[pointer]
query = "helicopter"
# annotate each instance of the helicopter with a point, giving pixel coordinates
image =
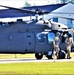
(35, 36)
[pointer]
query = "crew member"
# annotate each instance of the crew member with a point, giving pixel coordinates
(56, 43)
(69, 42)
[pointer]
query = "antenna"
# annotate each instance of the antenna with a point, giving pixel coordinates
(36, 17)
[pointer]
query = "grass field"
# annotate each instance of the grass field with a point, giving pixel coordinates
(47, 68)
(5, 56)
(21, 55)
(37, 68)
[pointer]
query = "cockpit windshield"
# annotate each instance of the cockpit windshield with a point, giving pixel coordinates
(51, 36)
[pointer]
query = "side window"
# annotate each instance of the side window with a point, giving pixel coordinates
(41, 38)
(51, 37)
(55, 19)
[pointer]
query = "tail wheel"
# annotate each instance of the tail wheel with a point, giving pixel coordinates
(38, 56)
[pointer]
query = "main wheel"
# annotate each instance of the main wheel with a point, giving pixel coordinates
(62, 54)
(38, 56)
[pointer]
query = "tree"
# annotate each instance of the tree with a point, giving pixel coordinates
(27, 4)
(64, 1)
(72, 1)
(67, 1)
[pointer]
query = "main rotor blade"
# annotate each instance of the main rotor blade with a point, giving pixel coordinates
(61, 17)
(66, 18)
(23, 10)
(27, 11)
(62, 12)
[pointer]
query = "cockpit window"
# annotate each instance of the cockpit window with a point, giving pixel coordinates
(41, 38)
(51, 37)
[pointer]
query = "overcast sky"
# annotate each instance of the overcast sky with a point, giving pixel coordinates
(20, 3)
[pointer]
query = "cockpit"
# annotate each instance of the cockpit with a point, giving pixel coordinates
(45, 37)
(48, 37)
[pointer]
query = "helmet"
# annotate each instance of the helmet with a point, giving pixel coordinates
(57, 34)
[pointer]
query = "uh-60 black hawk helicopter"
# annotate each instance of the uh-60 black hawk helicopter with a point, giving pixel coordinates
(31, 37)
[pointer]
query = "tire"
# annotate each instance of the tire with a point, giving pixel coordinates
(62, 54)
(38, 56)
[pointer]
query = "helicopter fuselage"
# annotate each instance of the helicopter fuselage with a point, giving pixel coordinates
(20, 37)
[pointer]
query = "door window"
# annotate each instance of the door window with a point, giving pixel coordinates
(41, 38)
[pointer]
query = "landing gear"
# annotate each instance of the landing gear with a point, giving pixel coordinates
(38, 56)
(62, 54)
